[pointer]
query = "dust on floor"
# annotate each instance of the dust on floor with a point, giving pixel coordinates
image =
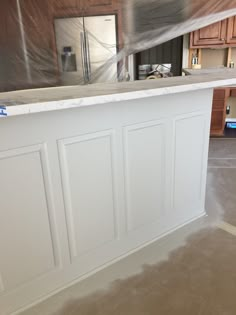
(197, 278)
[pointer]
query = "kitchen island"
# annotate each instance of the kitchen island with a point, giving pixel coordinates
(91, 174)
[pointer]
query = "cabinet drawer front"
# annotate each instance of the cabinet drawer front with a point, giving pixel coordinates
(233, 92)
(217, 121)
(219, 94)
(96, 3)
(68, 4)
(218, 104)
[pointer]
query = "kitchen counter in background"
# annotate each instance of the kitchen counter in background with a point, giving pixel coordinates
(221, 99)
(203, 71)
(49, 99)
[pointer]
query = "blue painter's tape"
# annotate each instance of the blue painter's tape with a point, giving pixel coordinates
(3, 111)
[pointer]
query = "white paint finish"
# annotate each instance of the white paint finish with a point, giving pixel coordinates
(27, 229)
(89, 192)
(144, 161)
(81, 168)
(188, 163)
(132, 67)
(52, 99)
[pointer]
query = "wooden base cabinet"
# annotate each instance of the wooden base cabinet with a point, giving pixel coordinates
(220, 98)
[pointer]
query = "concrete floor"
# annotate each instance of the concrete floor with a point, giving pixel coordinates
(192, 271)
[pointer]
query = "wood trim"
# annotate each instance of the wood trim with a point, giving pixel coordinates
(220, 98)
(191, 51)
(191, 40)
(233, 92)
(199, 56)
(229, 56)
(230, 30)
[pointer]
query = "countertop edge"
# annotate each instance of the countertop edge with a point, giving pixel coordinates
(33, 108)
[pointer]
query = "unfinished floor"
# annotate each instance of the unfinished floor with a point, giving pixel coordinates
(190, 272)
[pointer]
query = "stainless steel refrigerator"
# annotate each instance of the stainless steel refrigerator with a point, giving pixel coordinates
(85, 48)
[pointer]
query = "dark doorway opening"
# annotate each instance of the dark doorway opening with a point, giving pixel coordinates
(170, 52)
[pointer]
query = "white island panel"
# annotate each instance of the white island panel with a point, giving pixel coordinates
(89, 191)
(97, 183)
(190, 140)
(28, 242)
(144, 164)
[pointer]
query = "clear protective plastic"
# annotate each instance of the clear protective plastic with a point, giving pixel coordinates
(73, 42)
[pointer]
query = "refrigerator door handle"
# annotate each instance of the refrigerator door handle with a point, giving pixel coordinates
(88, 56)
(83, 55)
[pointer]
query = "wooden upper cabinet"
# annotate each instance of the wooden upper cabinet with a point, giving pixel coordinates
(220, 34)
(231, 31)
(97, 3)
(94, 7)
(212, 35)
(66, 8)
(64, 4)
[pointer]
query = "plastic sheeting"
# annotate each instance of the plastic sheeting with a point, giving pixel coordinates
(31, 54)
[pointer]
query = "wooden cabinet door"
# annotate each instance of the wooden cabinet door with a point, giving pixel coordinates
(217, 123)
(212, 35)
(231, 31)
(64, 4)
(97, 3)
(67, 8)
(220, 98)
(96, 7)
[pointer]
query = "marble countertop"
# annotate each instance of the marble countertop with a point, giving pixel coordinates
(49, 99)
(215, 70)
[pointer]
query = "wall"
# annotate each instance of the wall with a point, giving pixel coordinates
(232, 103)
(214, 57)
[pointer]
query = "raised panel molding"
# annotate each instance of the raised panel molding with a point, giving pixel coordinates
(36, 156)
(189, 137)
(144, 188)
(90, 222)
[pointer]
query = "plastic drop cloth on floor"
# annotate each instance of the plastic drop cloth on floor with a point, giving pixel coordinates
(53, 42)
